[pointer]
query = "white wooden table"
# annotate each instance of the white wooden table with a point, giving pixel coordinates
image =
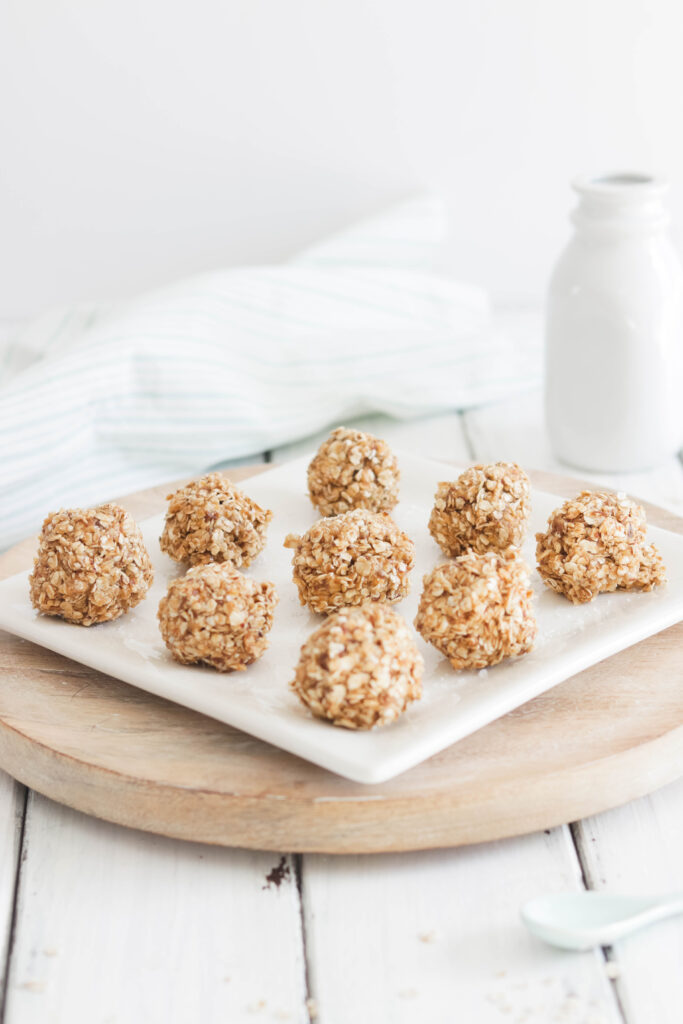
(107, 926)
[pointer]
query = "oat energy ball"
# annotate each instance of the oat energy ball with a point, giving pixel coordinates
(216, 616)
(360, 669)
(485, 509)
(596, 543)
(353, 470)
(92, 565)
(351, 558)
(211, 520)
(477, 609)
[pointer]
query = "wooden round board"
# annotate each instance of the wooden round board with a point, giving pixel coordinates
(609, 734)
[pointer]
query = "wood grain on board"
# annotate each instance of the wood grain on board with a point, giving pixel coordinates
(91, 742)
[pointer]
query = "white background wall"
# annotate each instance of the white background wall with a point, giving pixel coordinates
(142, 139)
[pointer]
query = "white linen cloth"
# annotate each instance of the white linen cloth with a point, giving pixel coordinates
(99, 400)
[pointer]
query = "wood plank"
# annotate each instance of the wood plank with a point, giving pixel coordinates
(440, 436)
(116, 925)
(435, 437)
(436, 937)
(514, 431)
(12, 800)
(89, 885)
(639, 849)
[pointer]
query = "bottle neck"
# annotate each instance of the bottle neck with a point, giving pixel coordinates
(620, 204)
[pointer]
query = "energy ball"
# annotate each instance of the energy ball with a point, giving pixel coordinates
(216, 616)
(360, 669)
(92, 565)
(485, 509)
(353, 470)
(211, 520)
(477, 609)
(351, 558)
(595, 543)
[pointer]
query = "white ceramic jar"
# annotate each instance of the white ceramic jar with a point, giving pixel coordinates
(614, 330)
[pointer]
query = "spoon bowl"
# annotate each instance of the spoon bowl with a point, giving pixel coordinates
(582, 920)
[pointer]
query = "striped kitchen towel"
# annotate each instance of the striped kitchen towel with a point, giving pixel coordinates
(99, 400)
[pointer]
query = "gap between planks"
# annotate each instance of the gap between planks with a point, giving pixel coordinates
(311, 1003)
(466, 435)
(607, 951)
(22, 797)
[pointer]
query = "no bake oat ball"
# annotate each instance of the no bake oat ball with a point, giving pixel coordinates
(477, 609)
(353, 470)
(92, 565)
(360, 669)
(214, 615)
(596, 543)
(211, 520)
(485, 509)
(351, 558)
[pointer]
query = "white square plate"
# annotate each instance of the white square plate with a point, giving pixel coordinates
(258, 701)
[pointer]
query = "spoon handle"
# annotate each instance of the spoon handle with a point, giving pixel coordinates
(666, 906)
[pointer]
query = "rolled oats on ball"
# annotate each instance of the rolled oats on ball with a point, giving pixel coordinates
(350, 470)
(216, 616)
(596, 543)
(351, 558)
(211, 520)
(486, 509)
(477, 610)
(360, 669)
(92, 565)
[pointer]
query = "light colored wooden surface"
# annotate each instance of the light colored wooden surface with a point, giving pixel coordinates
(450, 950)
(181, 902)
(638, 849)
(481, 969)
(103, 747)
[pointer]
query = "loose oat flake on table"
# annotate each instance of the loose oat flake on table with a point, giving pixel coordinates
(211, 520)
(350, 470)
(214, 615)
(92, 565)
(486, 509)
(351, 558)
(596, 543)
(477, 609)
(361, 668)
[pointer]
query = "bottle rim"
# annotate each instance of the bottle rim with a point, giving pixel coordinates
(623, 186)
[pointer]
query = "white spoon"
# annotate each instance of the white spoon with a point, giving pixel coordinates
(580, 920)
